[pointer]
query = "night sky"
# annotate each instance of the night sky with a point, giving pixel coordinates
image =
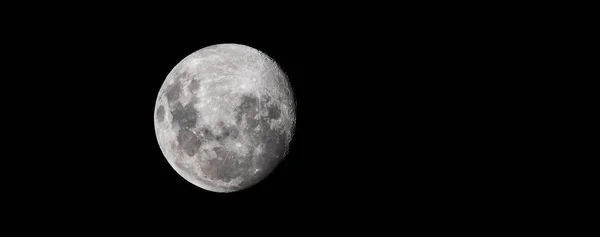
(386, 116)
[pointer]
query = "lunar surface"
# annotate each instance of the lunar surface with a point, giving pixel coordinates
(224, 117)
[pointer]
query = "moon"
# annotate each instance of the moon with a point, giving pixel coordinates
(225, 116)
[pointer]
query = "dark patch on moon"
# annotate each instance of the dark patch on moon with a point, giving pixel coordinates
(219, 138)
(188, 142)
(280, 78)
(252, 122)
(232, 132)
(221, 152)
(274, 112)
(194, 85)
(228, 132)
(207, 133)
(186, 116)
(265, 98)
(160, 114)
(227, 167)
(172, 92)
(274, 144)
(247, 109)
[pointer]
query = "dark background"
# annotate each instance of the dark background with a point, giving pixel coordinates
(98, 85)
(427, 116)
(393, 114)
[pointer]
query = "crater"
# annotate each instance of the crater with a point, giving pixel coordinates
(160, 114)
(274, 142)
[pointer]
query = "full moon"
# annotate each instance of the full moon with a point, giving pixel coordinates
(224, 117)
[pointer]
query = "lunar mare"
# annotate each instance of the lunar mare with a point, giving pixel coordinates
(224, 117)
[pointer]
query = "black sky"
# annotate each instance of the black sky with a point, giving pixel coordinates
(385, 114)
